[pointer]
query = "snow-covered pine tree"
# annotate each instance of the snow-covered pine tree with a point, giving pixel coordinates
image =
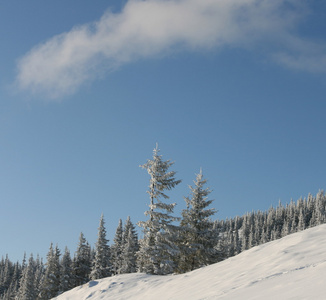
(66, 275)
(27, 289)
(251, 240)
(158, 248)
(320, 208)
(82, 262)
(198, 239)
(285, 229)
(301, 224)
(10, 277)
(6, 272)
(130, 225)
(38, 274)
(237, 246)
(15, 281)
(51, 280)
(129, 249)
(116, 249)
(102, 261)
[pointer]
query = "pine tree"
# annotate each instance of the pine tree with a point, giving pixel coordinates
(6, 272)
(301, 223)
(66, 275)
(129, 249)
(14, 285)
(245, 231)
(38, 275)
(237, 246)
(198, 238)
(130, 225)
(158, 247)
(320, 208)
(102, 264)
(116, 249)
(286, 229)
(82, 262)
(27, 289)
(51, 280)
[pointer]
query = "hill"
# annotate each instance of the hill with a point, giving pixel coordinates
(293, 267)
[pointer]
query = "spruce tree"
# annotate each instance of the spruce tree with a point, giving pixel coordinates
(51, 280)
(116, 249)
(14, 285)
(38, 274)
(158, 247)
(102, 262)
(27, 289)
(6, 273)
(320, 208)
(129, 225)
(66, 275)
(198, 239)
(129, 248)
(301, 224)
(82, 262)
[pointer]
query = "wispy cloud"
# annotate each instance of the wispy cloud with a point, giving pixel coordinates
(156, 27)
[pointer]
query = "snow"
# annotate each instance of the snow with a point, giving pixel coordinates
(293, 267)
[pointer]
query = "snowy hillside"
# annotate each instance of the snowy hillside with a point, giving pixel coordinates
(293, 267)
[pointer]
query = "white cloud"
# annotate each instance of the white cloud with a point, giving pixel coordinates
(155, 27)
(303, 55)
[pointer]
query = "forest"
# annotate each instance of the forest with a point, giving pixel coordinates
(168, 244)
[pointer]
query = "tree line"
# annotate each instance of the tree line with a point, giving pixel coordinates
(168, 244)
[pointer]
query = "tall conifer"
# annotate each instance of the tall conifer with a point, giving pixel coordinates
(82, 262)
(158, 247)
(102, 262)
(198, 238)
(116, 249)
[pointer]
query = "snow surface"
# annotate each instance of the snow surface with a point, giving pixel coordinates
(293, 267)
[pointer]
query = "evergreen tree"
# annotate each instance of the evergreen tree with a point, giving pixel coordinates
(116, 249)
(320, 208)
(6, 273)
(15, 281)
(51, 280)
(251, 240)
(158, 247)
(102, 264)
(286, 229)
(27, 289)
(130, 225)
(38, 275)
(66, 275)
(301, 223)
(24, 262)
(237, 246)
(129, 249)
(82, 262)
(198, 236)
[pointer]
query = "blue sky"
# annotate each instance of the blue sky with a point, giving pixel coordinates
(235, 87)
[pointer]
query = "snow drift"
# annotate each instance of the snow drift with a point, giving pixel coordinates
(293, 267)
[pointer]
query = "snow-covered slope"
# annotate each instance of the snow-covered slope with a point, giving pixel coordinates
(293, 267)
